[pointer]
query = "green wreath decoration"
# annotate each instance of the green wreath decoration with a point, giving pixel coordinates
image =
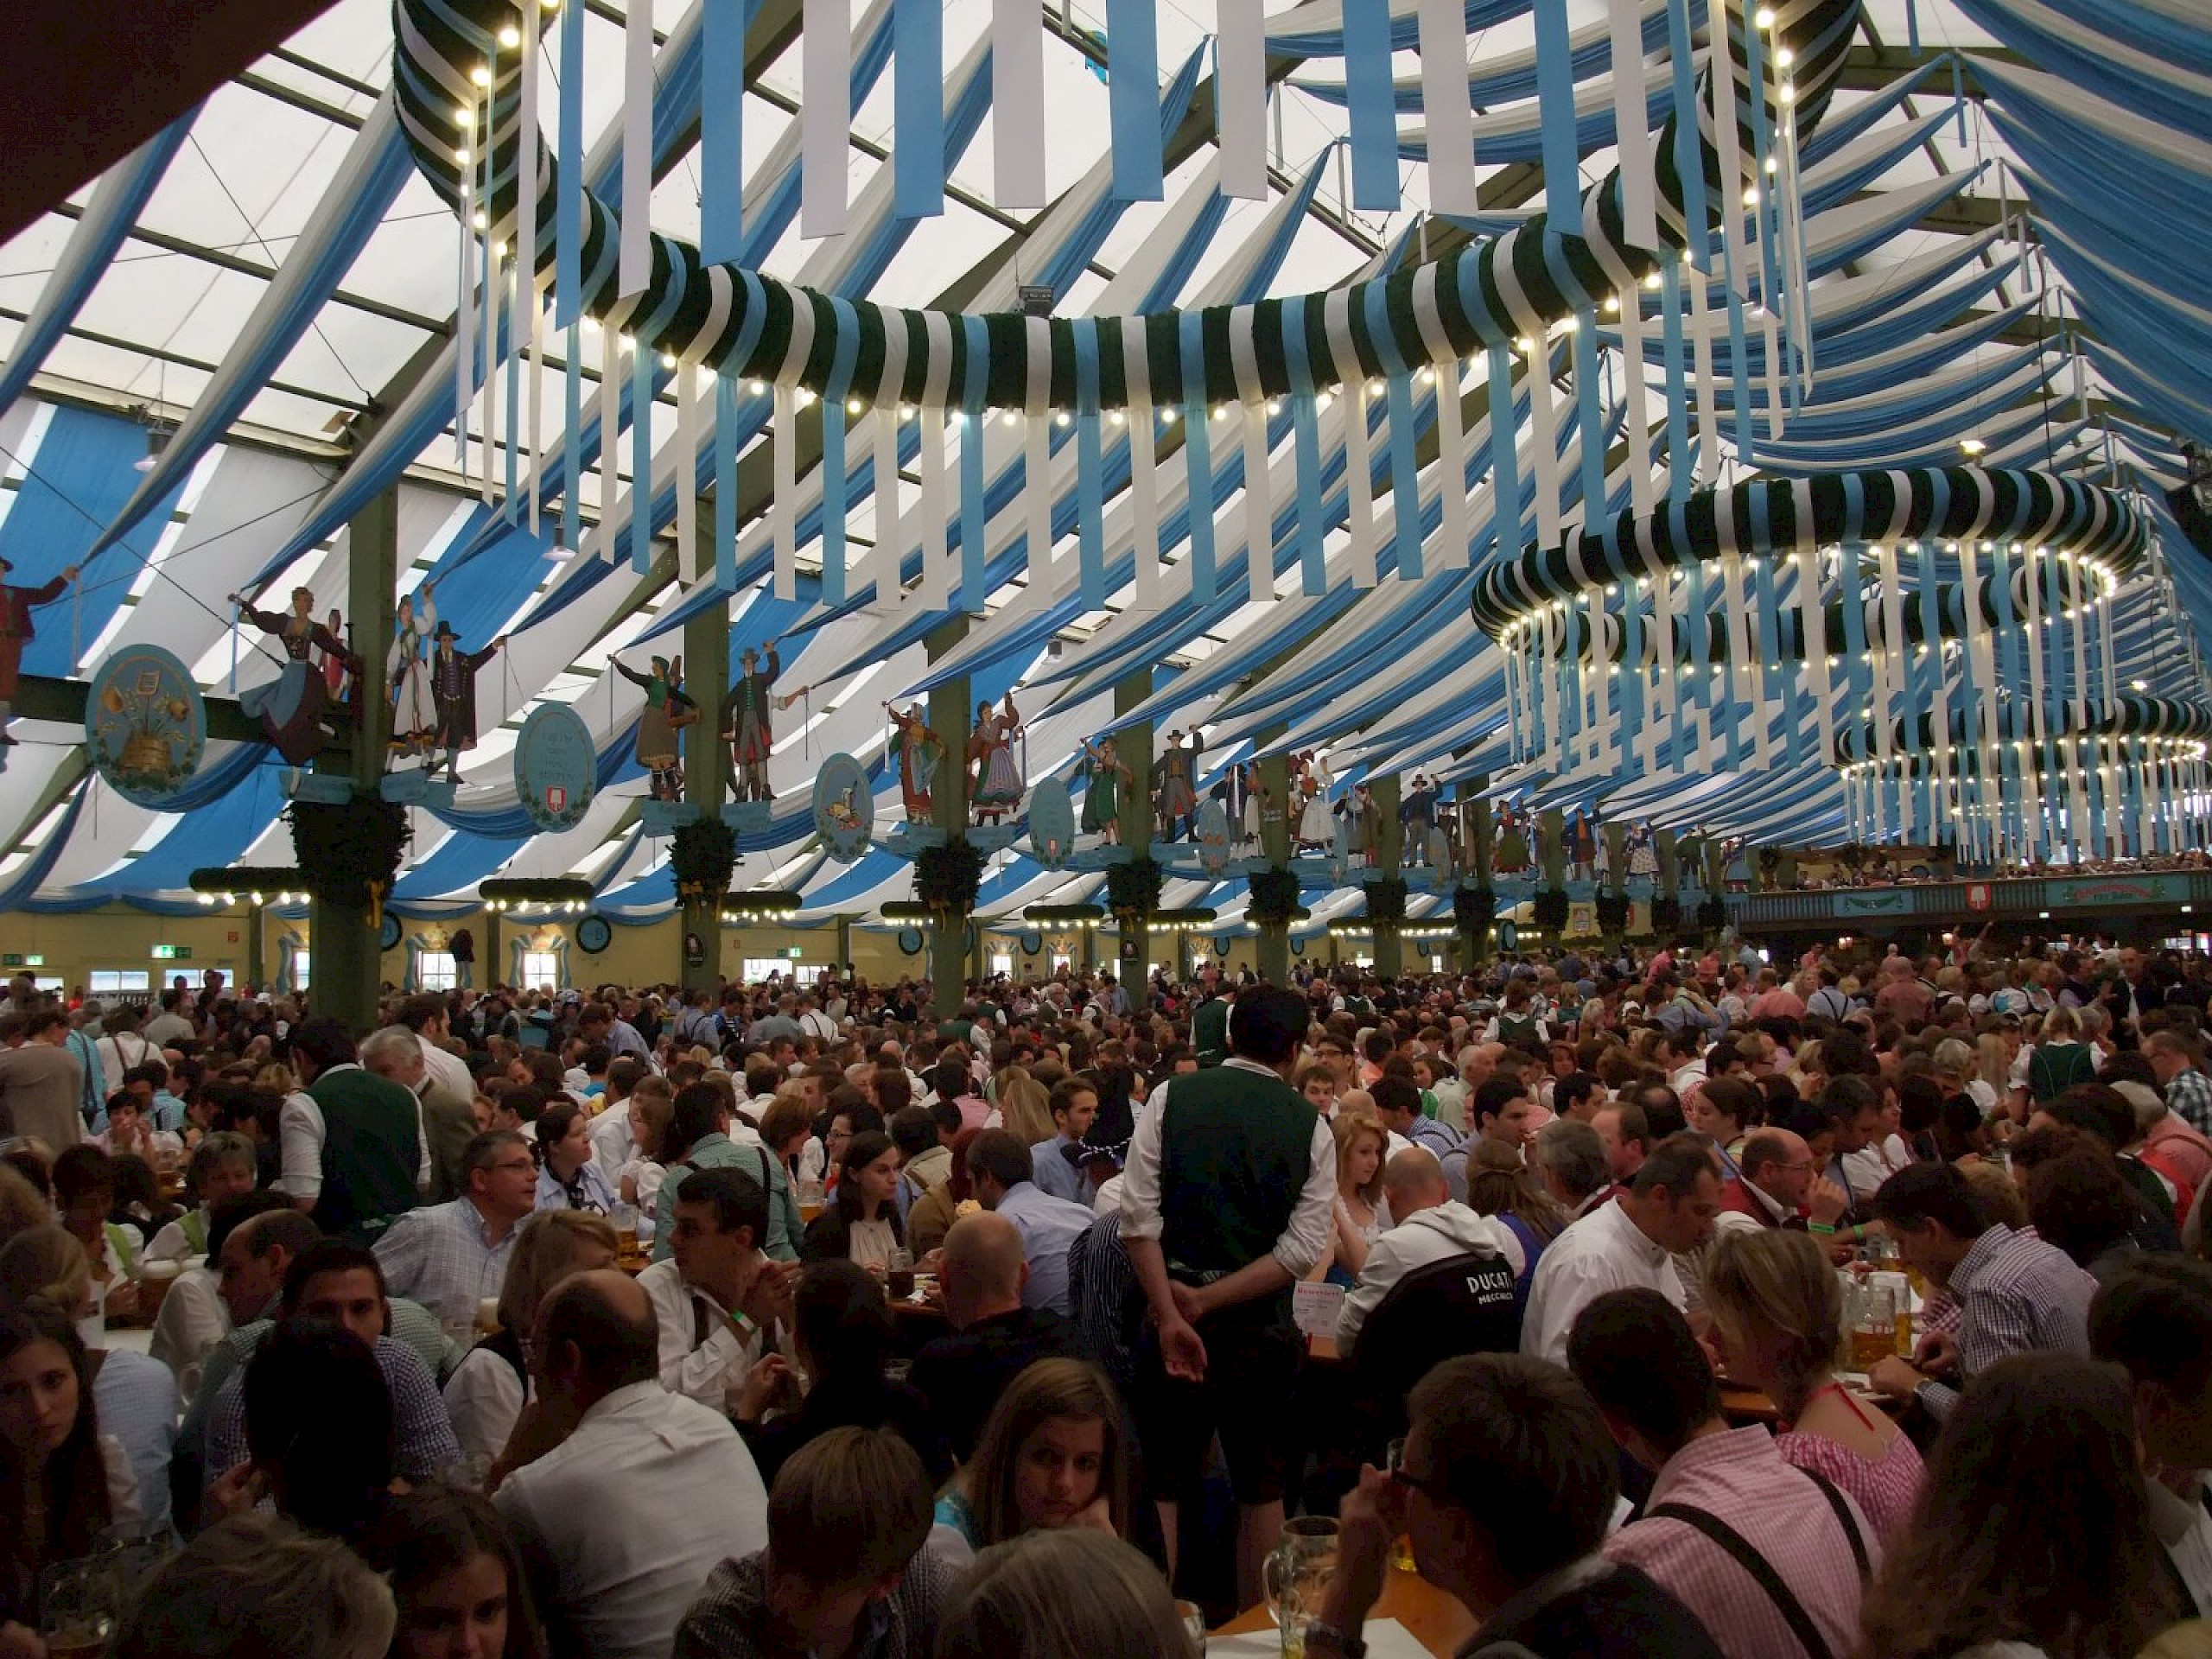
(1666, 916)
(1132, 889)
(349, 852)
(1713, 915)
(1474, 909)
(1550, 909)
(1385, 899)
(1274, 896)
(949, 877)
(1612, 911)
(702, 856)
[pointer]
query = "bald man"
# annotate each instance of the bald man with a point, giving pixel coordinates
(996, 1337)
(1429, 1226)
(623, 1496)
(1778, 1187)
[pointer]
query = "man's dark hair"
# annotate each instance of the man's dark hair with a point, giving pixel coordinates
(1394, 1093)
(699, 1110)
(1920, 1193)
(417, 1011)
(739, 1200)
(483, 1150)
(1675, 1163)
(1495, 1095)
(1573, 1088)
(2098, 1108)
(1267, 1024)
(1761, 1148)
(2080, 1202)
(328, 1256)
(1663, 1109)
(226, 1216)
(950, 1078)
(2154, 1316)
(851, 1506)
(1065, 1090)
(616, 1350)
(914, 1131)
(287, 1228)
(945, 1116)
(325, 1043)
(860, 1113)
(999, 1154)
(1846, 1098)
(1635, 1352)
(1515, 1442)
(1844, 1053)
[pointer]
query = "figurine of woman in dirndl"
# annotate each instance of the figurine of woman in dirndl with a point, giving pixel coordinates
(667, 711)
(415, 712)
(290, 706)
(998, 787)
(1101, 802)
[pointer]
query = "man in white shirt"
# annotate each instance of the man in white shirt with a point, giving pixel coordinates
(427, 1016)
(718, 1299)
(623, 1498)
(1430, 1225)
(1668, 1210)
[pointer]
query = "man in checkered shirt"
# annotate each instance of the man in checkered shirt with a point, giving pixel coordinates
(1770, 1557)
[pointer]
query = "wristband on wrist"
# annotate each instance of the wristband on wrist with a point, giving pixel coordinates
(1821, 1227)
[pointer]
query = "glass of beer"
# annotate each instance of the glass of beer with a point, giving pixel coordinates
(626, 1229)
(899, 1278)
(1874, 1332)
(78, 1609)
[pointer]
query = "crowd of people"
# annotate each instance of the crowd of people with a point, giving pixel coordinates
(817, 1320)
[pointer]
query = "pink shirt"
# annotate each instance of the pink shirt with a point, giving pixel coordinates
(1741, 1478)
(1886, 1490)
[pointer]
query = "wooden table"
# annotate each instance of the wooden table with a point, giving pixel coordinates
(1440, 1623)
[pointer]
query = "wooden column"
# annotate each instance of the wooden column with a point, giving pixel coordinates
(1272, 957)
(706, 782)
(950, 716)
(256, 919)
(1389, 861)
(344, 953)
(1133, 744)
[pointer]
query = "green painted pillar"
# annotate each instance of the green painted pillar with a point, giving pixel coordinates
(1551, 847)
(1133, 743)
(1616, 837)
(492, 966)
(344, 954)
(1479, 839)
(256, 968)
(844, 943)
(1272, 957)
(950, 716)
(1668, 884)
(1390, 861)
(706, 784)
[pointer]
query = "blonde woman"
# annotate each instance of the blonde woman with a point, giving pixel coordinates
(484, 1394)
(1063, 1595)
(1361, 1214)
(1051, 1455)
(1777, 1307)
(1024, 1106)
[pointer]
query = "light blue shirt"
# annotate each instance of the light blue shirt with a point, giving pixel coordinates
(1055, 1173)
(1047, 1225)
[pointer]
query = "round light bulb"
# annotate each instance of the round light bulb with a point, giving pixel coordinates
(511, 37)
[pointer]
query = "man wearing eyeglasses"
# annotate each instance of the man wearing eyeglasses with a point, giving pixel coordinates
(450, 1256)
(1504, 1487)
(1778, 1187)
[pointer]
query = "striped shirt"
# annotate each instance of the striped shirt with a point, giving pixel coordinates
(2017, 1295)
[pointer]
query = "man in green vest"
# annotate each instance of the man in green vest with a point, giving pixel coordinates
(352, 1142)
(1225, 1204)
(1210, 1020)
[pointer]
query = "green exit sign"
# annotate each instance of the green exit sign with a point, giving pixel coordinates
(16, 959)
(172, 953)
(794, 952)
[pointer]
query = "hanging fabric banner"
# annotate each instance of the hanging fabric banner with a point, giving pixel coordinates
(1689, 165)
(890, 551)
(1305, 446)
(510, 299)
(572, 441)
(1132, 98)
(1089, 468)
(1739, 692)
(721, 130)
(974, 508)
(634, 269)
(464, 354)
(1543, 440)
(1197, 459)
(1037, 507)
(488, 339)
(918, 108)
(934, 508)
(783, 508)
(1643, 495)
(1590, 421)
(1371, 105)
(1405, 477)
(1451, 462)
(610, 434)
(1632, 127)
(1813, 625)
(1449, 115)
(1708, 422)
(1698, 618)
(1144, 482)
(569, 180)
(825, 114)
(1555, 113)
(527, 237)
(641, 458)
(687, 470)
(725, 481)
(1259, 504)
(1018, 103)
(1671, 706)
(1241, 98)
(1359, 486)
(1504, 456)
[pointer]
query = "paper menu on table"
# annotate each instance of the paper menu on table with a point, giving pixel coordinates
(1315, 1307)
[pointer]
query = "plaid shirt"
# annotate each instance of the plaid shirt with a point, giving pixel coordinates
(2189, 1097)
(2016, 1295)
(421, 1432)
(1741, 1478)
(442, 1257)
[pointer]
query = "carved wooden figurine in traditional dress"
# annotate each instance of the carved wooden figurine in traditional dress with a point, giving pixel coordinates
(414, 713)
(667, 710)
(453, 693)
(920, 750)
(1101, 802)
(290, 706)
(747, 723)
(1175, 793)
(998, 786)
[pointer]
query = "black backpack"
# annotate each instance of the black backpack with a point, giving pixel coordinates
(1462, 1304)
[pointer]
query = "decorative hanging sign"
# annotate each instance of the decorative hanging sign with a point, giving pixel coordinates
(145, 725)
(1051, 823)
(594, 934)
(844, 808)
(910, 940)
(1213, 839)
(556, 767)
(388, 932)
